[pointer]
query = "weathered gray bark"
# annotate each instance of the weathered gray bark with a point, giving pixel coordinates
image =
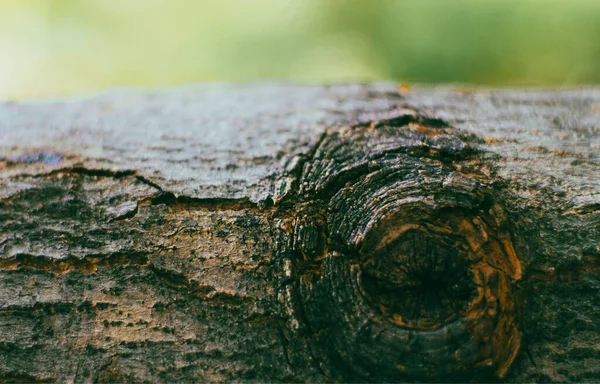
(289, 233)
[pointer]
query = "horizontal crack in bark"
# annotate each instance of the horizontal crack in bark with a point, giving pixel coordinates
(80, 170)
(162, 197)
(61, 266)
(91, 264)
(187, 202)
(211, 204)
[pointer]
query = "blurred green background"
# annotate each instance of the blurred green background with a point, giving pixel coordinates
(57, 47)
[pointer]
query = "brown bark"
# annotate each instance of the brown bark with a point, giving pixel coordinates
(293, 233)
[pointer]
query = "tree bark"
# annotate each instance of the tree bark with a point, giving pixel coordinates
(290, 233)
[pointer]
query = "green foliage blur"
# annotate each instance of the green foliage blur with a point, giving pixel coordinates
(51, 48)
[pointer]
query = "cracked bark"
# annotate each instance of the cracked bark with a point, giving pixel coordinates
(288, 233)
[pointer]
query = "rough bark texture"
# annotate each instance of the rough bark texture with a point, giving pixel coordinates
(299, 234)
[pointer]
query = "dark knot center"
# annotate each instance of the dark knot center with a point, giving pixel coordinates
(419, 280)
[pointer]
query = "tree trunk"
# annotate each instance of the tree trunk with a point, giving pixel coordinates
(289, 233)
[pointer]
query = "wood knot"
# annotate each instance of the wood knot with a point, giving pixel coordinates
(451, 266)
(418, 281)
